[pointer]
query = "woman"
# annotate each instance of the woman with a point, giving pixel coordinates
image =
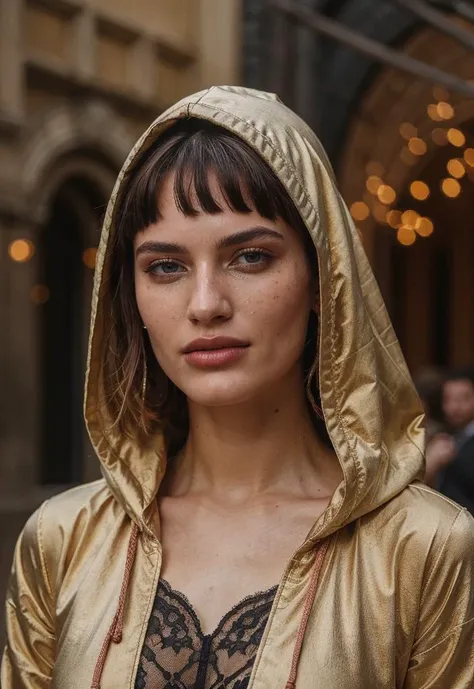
(242, 537)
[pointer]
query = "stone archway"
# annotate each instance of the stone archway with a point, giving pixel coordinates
(91, 136)
(375, 146)
(69, 155)
(394, 98)
(69, 159)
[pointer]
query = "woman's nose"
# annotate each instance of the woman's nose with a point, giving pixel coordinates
(209, 301)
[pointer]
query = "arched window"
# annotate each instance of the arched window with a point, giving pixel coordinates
(66, 250)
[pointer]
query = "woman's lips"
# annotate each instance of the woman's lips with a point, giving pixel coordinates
(208, 358)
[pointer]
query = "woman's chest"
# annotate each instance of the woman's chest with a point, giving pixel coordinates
(218, 558)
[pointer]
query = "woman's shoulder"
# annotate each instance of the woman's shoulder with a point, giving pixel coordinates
(428, 523)
(65, 518)
(83, 502)
(52, 534)
(432, 509)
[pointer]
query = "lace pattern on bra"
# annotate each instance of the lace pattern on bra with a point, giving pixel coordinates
(177, 655)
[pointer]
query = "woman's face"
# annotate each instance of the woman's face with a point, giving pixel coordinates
(225, 299)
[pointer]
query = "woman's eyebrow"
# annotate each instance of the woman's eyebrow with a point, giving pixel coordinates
(248, 236)
(152, 247)
(241, 237)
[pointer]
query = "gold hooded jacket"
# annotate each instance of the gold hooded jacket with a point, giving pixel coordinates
(394, 602)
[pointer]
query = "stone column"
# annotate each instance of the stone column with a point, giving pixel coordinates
(84, 49)
(219, 35)
(142, 78)
(11, 58)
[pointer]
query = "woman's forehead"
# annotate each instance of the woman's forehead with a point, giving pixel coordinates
(220, 230)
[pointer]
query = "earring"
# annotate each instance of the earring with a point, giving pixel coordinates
(144, 327)
(145, 373)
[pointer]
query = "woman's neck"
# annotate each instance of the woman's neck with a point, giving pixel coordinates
(267, 446)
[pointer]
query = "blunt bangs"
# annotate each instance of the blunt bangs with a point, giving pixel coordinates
(203, 158)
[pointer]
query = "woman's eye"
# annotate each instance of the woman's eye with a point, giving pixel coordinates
(165, 268)
(253, 258)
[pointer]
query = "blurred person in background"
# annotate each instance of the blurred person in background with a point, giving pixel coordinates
(261, 522)
(450, 454)
(429, 384)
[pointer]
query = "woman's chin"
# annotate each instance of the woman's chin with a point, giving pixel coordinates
(222, 393)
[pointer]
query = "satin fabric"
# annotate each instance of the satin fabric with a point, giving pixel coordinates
(395, 601)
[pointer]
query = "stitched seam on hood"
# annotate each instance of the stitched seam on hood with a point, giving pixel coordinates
(271, 144)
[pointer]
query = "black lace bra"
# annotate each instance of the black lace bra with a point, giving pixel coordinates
(177, 655)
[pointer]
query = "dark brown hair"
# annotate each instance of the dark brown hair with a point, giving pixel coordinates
(138, 394)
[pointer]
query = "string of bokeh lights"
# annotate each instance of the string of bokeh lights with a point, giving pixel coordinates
(380, 198)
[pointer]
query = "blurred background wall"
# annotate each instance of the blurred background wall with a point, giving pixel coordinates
(79, 82)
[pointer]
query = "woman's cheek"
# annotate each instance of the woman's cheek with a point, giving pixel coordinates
(287, 300)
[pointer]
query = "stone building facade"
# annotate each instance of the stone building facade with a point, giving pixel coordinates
(79, 81)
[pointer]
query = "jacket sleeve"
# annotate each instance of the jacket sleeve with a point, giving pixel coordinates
(443, 653)
(28, 658)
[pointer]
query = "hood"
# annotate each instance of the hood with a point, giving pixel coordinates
(371, 410)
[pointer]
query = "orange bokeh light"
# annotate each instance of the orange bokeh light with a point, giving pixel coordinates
(409, 218)
(424, 227)
(21, 250)
(373, 183)
(445, 110)
(406, 235)
(386, 194)
(89, 257)
(394, 219)
(469, 156)
(417, 146)
(39, 294)
(419, 190)
(456, 168)
(456, 137)
(450, 187)
(360, 210)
